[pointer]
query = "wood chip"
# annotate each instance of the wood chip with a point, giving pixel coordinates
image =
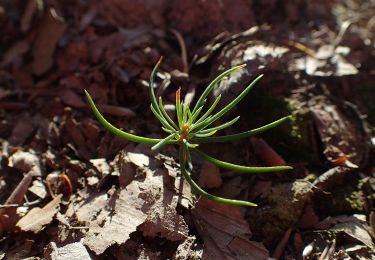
(38, 218)
(73, 251)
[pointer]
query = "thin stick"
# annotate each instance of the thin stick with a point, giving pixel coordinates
(181, 42)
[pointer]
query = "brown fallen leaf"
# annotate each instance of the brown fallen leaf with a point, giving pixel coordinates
(37, 218)
(308, 219)
(17, 49)
(28, 14)
(187, 250)
(268, 155)
(51, 29)
(8, 216)
(225, 232)
(26, 162)
(21, 250)
(209, 176)
(70, 251)
(90, 207)
(145, 200)
(127, 164)
(245, 249)
(340, 131)
(39, 189)
(23, 129)
(70, 98)
(117, 111)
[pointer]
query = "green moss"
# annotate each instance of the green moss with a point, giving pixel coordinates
(285, 204)
(355, 201)
(343, 200)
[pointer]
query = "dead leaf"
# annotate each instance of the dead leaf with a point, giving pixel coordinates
(70, 98)
(37, 218)
(72, 251)
(101, 165)
(8, 216)
(127, 165)
(356, 231)
(209, 176)
(332, 177)
(340, 134)
(163, 220)
(245, 249)
(187, 250)
(281, 245)
(30, 9)
(26, 162)
(15, 51)
(51, 29)
(116, 111)
(144, 201)
(268, 155)
(180, 185)
(225, 232)
(90, 207)
(39, 189)
(23, 129)
(308, 219)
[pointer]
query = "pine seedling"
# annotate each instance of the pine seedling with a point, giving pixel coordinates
(194, 127)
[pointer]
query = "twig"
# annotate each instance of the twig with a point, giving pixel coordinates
(181, 42)
(26, 204)
(281, 246)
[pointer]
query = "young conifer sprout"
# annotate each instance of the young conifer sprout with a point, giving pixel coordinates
(192, 129)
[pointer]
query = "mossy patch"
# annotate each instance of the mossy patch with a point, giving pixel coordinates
(285, 204)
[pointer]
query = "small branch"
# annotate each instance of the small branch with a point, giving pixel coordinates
(26, 204)
(181, 42)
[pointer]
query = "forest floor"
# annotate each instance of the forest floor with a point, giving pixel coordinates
(69, 189)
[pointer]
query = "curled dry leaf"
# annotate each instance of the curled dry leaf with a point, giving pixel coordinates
(344, 139)
(37, 218)
(355, 227)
